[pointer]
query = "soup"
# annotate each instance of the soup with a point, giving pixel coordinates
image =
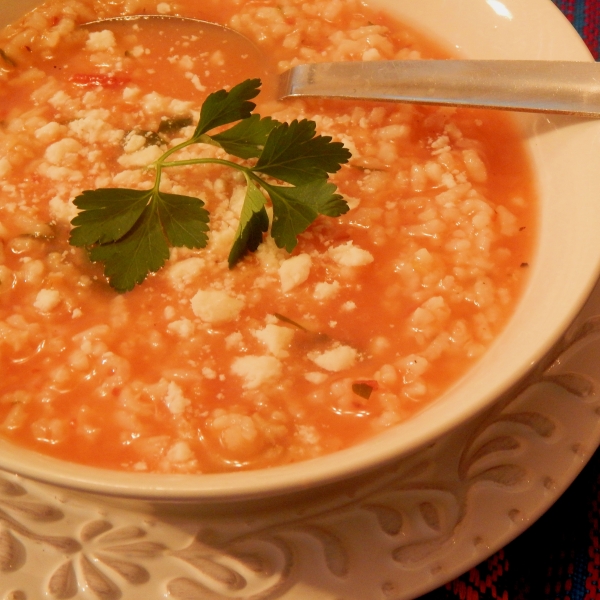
(287, 356)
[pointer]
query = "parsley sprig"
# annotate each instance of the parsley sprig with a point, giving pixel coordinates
(131, 231)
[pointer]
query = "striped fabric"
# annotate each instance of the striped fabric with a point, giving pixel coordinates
(585, 17)
(558, 558)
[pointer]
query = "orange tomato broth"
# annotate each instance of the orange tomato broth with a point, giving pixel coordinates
(98, 414)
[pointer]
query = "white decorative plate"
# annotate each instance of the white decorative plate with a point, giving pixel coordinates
(393, 534)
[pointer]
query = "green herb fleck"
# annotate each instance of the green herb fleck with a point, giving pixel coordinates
(362, 389)
(7, 59)
(171, 125)
(285, 319)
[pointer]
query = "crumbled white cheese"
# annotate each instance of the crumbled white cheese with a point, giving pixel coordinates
(137, 51)
(5, 166)
(195, 80)
(308, 434)
(184, 328)
(180, 452)
(141, 158)
(334, 360)
(180, 107)
(217, 58)
(100, 40)
(182, 273)
(128, 178)
(276, 338)
(234, 340)
(325, 290)
(412, 366)
(315, 377)
(448, 180)
(432, 310)
(216, 306)
(63, 150)
(393, 132)
(294, 271)
(48, 132)
(256, 370)
(508, 222)
(163, 8)
(475, 166)
(59, 99)
(134, 142)
(269, 255)
(349, 255)
(60, 173)
(46, 300)
(154, 103)
(351, 201)
(371, 54)
(185, 62)
(94, 127)
(236, 432)
(62, 210)
(209, 373)
(131, 93)
(237, 198)
(175, 400)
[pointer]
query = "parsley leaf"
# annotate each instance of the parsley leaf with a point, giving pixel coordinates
(247, 138)
(254, 221)
(221, 108)
(183, 219)
(295, 208)
(106, 214)
(131, 231)
(142, 250)
(293, 153)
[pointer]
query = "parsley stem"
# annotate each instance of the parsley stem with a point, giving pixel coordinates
(172, 150)
(160, 163)
(199, 161)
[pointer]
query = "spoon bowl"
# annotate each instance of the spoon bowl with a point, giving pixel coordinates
(188, 35)
(202, 26)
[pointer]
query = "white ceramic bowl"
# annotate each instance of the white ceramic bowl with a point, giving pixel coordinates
(562, 273)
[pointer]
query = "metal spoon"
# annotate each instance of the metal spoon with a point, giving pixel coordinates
(523, 85)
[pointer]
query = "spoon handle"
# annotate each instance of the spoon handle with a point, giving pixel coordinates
(524, 85)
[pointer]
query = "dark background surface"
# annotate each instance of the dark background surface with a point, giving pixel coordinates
(557, 558)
